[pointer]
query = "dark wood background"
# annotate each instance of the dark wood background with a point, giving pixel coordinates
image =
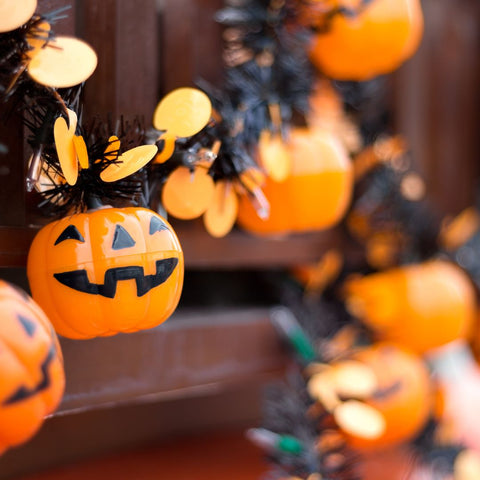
(145, 49)
(437, 99)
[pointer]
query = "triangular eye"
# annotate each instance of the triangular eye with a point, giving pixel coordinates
(122, 239)
(70, 233)
(156, 225)
(27, 324)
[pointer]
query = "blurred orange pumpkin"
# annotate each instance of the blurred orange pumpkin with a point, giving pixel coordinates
(314, 196)
(376, 39)
(403, 395)
(32, 378)
(421, 306)
(400, 462)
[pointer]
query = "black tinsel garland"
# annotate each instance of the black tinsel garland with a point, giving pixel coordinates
(89, 190)
(15, 83)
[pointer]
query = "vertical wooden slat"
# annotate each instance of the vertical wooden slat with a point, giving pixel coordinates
(177, 66)
(12, 183)
(191, 41)
(208, 41)
(124, 35)
(136, 57)
(437, 102)
(64, 26)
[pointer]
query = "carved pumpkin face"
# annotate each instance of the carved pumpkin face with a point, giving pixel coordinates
(375, 40)
(32, 379)
(421, 306)
(387, 380)
(106, 271)
(404, 394)
(316, 193)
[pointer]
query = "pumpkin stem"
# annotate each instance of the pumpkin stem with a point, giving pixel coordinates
(93, 202)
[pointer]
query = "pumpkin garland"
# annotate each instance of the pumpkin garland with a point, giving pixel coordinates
(109, 264)
(266, 90)
(347, 395)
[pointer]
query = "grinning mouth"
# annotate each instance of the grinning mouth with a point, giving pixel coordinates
(24, 393)
(78, 279)
(390, 390)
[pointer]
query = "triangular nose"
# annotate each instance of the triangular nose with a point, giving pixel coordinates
(122, 239)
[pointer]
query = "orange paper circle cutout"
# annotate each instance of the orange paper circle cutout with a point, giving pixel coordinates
(183, 112)
(64, 62)
(188, 194)
(14, 13)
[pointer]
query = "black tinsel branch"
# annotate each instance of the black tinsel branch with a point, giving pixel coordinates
(285, 412)
(15, 83)
(90, 190)
(265, 64)
(318, 15)
(379, 198)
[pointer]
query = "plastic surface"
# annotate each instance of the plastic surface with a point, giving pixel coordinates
(404, 395)
(373, 42)
(32, 378)
(422, 306)
(104, 284)
(314, 196)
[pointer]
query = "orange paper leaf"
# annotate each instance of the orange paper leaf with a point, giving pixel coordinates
(81, 150)
(187, 194)
(220, 216)
(274, 156)
(65, 147)
(111, 152)
(129, 162)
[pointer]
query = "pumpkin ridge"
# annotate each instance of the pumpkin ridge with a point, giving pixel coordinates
(140, 216)
(48, 232)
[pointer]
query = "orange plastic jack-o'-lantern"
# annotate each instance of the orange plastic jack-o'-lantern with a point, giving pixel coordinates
(384, 395)
(106, 271)
(316, 193)
(32, 379)
(404, 393)
(374, 39)
(421, 306)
